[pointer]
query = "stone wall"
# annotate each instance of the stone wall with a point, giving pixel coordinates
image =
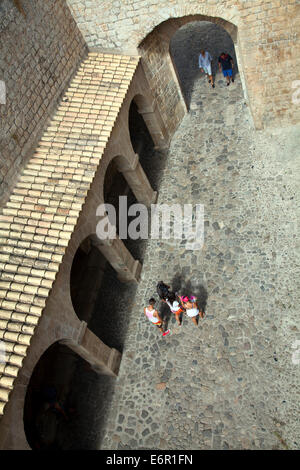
(267, 41)
(40, 47)
(163, 81)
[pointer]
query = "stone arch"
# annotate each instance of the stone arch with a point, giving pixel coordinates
(55, 368)
(141, 101)
(59, 323)
(148, 110)
(85, 279)
(128, 164)
(145, 137)
(145, 110)
(159, 67)
(167, 28)
(13, 434)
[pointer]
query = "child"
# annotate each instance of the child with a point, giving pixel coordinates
(153, 316)
(174, 307)
(191, 308)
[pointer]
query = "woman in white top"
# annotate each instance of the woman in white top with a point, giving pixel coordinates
(174, 307)
(191, 308)
(153, 316)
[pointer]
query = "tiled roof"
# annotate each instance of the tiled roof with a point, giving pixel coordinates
(38, 220)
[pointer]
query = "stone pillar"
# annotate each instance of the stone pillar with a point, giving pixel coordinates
(138, 181)
(103, 359)
(116, 253)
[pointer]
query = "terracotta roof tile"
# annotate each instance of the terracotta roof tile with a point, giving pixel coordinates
(41, 214)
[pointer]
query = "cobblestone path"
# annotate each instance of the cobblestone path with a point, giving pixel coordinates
(231, 382)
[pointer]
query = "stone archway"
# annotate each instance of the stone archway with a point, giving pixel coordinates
(161, 73)
(185, 46)
(50, 383)
(154, 125)
(86, 276)
(142, 140)
(55, 410)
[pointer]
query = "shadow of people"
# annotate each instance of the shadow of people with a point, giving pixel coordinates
(177, 282)
(185, 287)
(165, 313)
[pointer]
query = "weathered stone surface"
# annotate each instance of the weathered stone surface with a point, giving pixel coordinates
(230, 382)
(38, 55)
(225, 381)
(265, 33)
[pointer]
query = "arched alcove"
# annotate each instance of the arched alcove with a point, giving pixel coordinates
(151, 159)
(57, 414)
(45, 422)
(92, 281)
(139, 133)
(85, 279)
(115, 186)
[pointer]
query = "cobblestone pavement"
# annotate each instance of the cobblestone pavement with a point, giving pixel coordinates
(233, 381)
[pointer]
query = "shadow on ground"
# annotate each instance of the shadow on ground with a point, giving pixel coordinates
(198, 35)
(184, 286)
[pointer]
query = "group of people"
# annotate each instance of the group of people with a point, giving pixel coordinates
(225, 62)
(178, 304)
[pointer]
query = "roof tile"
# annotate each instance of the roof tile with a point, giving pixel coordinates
(40, 217)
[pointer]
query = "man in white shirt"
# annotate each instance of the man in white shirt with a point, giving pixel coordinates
(205, 60)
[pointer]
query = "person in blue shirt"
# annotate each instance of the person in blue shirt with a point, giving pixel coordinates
(226, 65)
(205, 60)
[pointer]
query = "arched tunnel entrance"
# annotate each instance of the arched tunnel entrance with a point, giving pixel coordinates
(170, 55)
(185, 46)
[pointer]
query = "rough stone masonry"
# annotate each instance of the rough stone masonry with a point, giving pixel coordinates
(266, 36)
(233, 382)
(39, 52)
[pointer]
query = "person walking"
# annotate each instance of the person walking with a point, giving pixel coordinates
(153, 316)
(191, 308)
(205, 60)
(174, 307)
(226, 65)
